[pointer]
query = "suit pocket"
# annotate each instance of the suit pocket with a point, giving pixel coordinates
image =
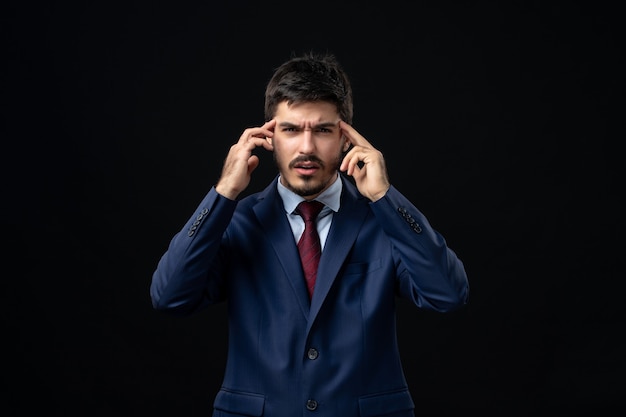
(386, 404)
(240, 403)
(362, 268)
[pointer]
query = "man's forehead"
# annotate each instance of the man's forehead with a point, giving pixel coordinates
(307, 114)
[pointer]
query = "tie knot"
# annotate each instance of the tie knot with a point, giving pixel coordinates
(309, 209)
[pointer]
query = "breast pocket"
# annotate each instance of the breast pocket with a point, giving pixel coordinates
(362, 268)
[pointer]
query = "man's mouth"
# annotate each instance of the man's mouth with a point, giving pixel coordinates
(306, 165)
(306, 168)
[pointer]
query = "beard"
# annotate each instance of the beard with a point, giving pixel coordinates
(311, 185)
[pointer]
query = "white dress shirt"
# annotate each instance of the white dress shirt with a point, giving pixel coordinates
(331, 197)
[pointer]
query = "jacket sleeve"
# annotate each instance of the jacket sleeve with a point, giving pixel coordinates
(430, 273)
(187, 277)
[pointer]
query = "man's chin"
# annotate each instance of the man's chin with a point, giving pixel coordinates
(306, 186)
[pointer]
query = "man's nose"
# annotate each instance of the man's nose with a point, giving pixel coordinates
(307, 145)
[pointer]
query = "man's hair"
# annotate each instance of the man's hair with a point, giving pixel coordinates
(308, 78)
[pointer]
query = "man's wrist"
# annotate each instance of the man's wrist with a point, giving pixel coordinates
(224, 192)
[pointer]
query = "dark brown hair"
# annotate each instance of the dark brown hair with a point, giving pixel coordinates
(307, 78)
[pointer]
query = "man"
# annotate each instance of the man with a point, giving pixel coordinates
(330, 350)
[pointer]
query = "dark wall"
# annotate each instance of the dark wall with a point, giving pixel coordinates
(501, 121)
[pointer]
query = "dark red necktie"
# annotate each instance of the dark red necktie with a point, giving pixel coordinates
(309, 245)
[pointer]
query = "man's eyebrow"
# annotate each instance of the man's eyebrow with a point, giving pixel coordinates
(322, 125)
(325, 125)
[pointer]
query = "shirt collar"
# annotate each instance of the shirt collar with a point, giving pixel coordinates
(331, 197)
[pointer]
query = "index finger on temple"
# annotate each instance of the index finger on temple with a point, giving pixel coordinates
(270, 124)
(353, 136)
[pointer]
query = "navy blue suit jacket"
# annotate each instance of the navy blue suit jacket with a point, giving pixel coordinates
(336, 354)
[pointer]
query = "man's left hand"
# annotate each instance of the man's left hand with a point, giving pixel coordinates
(365, 164)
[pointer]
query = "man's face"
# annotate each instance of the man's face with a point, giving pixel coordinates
(308, 146)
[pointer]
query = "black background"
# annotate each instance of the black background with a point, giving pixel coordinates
(501, 121)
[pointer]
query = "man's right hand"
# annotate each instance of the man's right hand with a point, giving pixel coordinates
(240, 162)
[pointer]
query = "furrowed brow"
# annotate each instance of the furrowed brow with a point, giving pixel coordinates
(326, 125)
(288, 125)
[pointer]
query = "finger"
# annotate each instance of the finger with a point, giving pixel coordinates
(354, 155)
(268, 129)
(354, 137)
(257, 142)
(345, 163)
(253, 163)
(270, 124)
(351, 161)
(254, 137)
(264, 131)
(254, 133)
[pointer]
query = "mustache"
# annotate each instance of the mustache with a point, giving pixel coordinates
(306, 158)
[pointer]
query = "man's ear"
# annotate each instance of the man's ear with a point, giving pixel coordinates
(346, 143)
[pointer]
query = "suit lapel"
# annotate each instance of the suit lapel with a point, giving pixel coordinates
(271, 215)
(343, 232)
(341, 236)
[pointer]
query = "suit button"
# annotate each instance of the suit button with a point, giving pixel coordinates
(312, 354)
(311, 405)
